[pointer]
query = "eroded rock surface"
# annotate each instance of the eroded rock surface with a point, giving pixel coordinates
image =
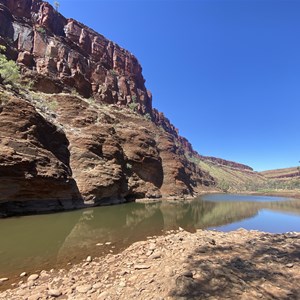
(70, 55)
(34, 161)
(77, 152)
(83, 131)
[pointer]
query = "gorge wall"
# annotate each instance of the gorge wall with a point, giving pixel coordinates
(81, 129)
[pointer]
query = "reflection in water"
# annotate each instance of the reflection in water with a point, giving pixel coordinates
(39, 242)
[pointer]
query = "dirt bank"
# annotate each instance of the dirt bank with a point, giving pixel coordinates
(204, 265)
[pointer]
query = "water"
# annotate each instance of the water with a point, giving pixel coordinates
(33, 243)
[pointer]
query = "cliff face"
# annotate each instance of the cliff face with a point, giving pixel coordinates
(83, 131)
(70, 55)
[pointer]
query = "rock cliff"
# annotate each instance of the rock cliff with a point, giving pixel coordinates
(81, 130)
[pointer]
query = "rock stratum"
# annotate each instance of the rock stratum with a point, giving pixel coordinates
(81, 129)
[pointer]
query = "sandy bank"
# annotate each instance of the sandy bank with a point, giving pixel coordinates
(204, 265)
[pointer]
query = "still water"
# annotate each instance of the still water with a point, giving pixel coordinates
(33, 243)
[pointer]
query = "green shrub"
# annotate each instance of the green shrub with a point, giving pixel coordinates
(133, 106)
(9, 70)
(129, 166)
(52, 105)
(113, 73)
(41, 30)
(223, 185)
(147, 116)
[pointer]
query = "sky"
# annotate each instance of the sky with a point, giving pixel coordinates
(226, 73)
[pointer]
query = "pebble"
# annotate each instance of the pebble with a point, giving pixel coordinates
(152, 246)
(187, 274)
(155, 255)
(141, 267)
(97, 286)
(3, 279)
(139, 273)
(23, 274)
(35, 297)
(33, 277)
(122, 284)
(104, 295)
(83, 288)
(54, 293)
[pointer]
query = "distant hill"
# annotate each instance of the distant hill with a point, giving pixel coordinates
(285, 173)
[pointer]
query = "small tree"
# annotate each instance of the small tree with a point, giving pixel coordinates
(9, 70)
(56, 5)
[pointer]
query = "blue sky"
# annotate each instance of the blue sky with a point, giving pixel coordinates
(226, 73)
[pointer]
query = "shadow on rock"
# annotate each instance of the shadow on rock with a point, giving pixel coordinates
(265, 268)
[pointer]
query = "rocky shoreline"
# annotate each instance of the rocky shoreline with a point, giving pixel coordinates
(180, 265)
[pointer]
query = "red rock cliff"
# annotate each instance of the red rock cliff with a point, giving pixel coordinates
(61, 150)
(71, 54)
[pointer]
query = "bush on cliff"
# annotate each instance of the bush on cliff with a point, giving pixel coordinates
(9, 70)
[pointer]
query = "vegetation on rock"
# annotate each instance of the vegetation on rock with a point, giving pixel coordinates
(9, 70)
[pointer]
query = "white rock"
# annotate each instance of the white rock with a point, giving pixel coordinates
(83, 288)
(104, 295)
(3, 279)
(152, 246)
(35, 297)
(54, 293)
(97, 286)
(23, 274)
(155, 255)
(33, 277)
(108, 243)
(89, 259)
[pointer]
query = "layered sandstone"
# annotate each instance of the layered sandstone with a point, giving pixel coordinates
(63, 151)
(70, 55)
(83, 130)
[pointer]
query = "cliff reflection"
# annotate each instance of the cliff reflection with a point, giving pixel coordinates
(47, 241)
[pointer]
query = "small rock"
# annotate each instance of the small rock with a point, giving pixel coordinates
(99, 244)
(187, 274)
(181, 229)
(122, 284)
(141, 267)
(212, 241)
(54, 293)
(35, 297)
(152, 246)
(108, 243)
(33, 277)
(97, 286)
(155, 255)
(3, 279)
(23, 274)
(290, 265)
(104, 295)
(89, 259)
(83, 288)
